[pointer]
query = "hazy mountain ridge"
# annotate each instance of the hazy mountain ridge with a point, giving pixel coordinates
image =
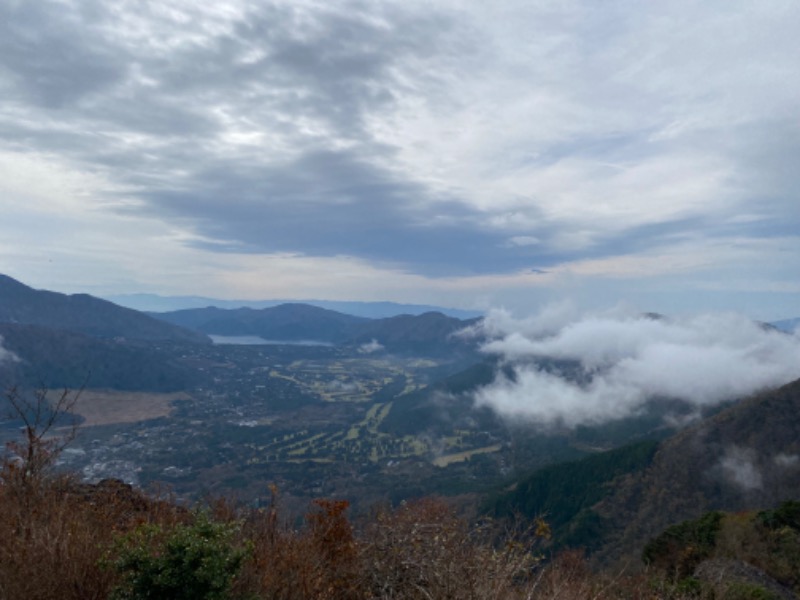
(787, 325)
(426, 334)
(372, 310)
(84, 314)
(286, 322)
(60, 340)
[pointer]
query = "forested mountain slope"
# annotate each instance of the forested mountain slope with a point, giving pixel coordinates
(82, 313)
(43, 356)
(746, 457)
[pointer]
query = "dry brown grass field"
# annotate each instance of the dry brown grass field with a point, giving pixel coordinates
(106, 407)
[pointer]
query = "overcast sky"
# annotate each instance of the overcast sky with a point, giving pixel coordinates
(468, 154)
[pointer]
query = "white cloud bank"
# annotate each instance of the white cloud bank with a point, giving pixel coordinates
(626, 358)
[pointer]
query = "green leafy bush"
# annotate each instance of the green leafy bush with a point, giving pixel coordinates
(748, 591)
(196, 561)
(786, 515)
(682, 547)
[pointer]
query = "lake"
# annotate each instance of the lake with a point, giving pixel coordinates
(254, 340)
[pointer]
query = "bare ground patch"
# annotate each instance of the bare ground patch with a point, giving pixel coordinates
(106, 407)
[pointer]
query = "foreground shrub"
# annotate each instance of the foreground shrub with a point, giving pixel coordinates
(55, 532)
(680, 548)
(196, 561)
(424, 550)
(68, 541)
(320, 561)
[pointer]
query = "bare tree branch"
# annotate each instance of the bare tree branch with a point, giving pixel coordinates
(29, 458)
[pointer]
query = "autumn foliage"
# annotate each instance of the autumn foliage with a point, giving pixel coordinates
(64, 540)
(61, 539)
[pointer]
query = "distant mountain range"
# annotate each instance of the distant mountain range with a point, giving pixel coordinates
(67, 340)
(427, 334)
(370, 310)
(287, 322)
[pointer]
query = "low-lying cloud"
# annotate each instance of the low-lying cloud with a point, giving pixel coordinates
(370, 347)
(786, 460)
(6, 355)
(739, 467)
(624, 358)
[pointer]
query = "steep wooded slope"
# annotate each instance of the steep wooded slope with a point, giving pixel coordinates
(746, 457)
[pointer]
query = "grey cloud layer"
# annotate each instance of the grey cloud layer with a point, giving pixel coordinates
(155, 109)
(253, 125)
(628, 358)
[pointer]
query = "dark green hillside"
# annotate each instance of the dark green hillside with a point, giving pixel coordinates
(57, 358)
(428, 334)
(439, 407)
(564, 494)
(84, 314)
